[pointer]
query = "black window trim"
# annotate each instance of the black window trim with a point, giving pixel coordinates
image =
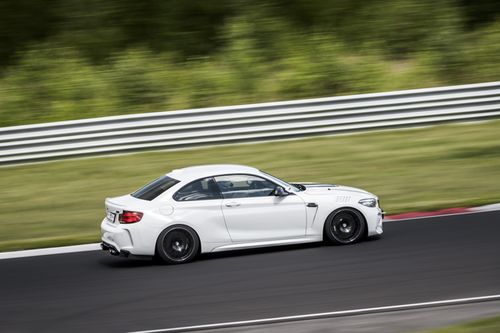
(218, 188)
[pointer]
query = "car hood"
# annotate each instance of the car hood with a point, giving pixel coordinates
(319, 188)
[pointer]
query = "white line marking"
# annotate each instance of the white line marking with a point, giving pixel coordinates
(49, 251)
(326, 314)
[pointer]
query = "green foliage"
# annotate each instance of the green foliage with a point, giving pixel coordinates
(141, 80)
(75, 59)
(52, 84)
(483, 57)
(487, 325)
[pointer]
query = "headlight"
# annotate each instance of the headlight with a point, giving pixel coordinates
(368, 202)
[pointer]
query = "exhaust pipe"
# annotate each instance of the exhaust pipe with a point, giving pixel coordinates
(110, 248)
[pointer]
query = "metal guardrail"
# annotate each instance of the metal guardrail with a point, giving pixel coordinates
(256, 122)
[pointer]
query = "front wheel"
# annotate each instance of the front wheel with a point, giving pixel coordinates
(345, 226)
(177, 245)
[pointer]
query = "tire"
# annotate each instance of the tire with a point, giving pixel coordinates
(177, 244)
(345, 226)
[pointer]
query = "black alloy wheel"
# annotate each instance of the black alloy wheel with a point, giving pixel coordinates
(177, 244)
(345, 226)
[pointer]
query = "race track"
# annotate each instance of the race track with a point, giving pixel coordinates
(415, 261)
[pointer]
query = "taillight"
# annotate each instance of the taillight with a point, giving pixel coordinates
(130, 217)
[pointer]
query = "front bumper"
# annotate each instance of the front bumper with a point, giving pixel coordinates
(380, 220)
(374, 220)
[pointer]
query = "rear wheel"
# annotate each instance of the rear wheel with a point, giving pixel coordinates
(345, 226)
(177, 245)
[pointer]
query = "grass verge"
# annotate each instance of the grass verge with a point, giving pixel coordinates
(489, 325)
(61, 203)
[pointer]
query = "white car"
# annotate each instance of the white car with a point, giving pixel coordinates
(215, 208)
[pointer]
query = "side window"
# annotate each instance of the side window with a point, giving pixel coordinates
(203, 189)
(244, 186)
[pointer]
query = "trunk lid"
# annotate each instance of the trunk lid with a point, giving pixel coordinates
(116, 205)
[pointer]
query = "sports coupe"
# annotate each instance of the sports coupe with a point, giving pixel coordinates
(213, 208)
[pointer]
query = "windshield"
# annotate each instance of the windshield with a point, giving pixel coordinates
(287, 186)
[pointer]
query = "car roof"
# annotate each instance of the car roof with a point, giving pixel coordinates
(200, 171)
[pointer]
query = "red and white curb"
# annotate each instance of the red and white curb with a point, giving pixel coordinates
(390, 218)
(442, 212)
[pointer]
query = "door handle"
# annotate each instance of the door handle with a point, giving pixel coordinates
(232, 204)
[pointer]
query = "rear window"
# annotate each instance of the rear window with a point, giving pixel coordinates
(155, 188)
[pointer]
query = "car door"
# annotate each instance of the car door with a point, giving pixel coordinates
(198, 205)
(253, 213)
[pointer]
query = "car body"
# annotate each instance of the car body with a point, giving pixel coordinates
(213, 208)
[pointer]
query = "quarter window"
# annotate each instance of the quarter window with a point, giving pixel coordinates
(203, 189)
(155, 188)
(244, 186)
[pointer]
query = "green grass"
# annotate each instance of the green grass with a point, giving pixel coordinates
(61, 202)
(489, 325)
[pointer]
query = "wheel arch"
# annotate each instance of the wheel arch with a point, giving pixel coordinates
(336, 210)
(176, 226)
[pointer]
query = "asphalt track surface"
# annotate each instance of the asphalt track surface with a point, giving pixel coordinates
(415, 261)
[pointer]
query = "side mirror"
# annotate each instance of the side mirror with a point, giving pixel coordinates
(280, 192)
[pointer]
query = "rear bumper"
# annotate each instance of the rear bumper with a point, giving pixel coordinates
(116, 239)
(129, 240)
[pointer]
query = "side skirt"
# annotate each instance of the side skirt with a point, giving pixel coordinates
(248, 245)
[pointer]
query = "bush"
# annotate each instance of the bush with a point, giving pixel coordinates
(128, 57)
(53, 83)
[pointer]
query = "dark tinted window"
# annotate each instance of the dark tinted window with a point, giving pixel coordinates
(244, 186)
(155, 188)
(203, 189)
